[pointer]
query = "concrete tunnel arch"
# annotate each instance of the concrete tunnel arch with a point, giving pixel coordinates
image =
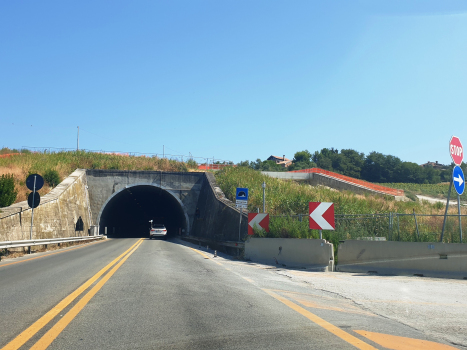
(126, 213)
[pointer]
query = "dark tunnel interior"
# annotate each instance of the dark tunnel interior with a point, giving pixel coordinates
(129, 212)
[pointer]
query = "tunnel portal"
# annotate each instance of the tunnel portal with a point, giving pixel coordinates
(128, 212)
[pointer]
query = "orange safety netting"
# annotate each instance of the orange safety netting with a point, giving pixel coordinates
(352, 180)
(9, 155)
(213, 166)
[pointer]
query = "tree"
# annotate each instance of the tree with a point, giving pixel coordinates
(373, 168)
(7, 190)
(354, 162)
(302, 160)
(245, 163)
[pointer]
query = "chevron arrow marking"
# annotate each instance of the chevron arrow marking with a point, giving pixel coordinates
(320, 218)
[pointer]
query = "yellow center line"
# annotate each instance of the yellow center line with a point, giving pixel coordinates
(27, 334)
(325, 324)
(248, 279)
(43, 256)
(200, 253)
(53, 333)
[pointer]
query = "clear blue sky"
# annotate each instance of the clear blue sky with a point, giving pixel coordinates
(235, 80)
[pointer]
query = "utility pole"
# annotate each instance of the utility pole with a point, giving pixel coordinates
(77, 144)
(163, 151)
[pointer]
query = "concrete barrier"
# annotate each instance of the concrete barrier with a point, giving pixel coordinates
(291, 252)
(404, 258)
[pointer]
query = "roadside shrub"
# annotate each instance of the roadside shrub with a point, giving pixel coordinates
(7, 190)
(411, 196)
(51, 177)
(192, 164)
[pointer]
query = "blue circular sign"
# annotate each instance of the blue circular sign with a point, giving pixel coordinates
(458, 179)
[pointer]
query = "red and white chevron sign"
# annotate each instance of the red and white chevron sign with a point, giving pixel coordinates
(322, 216)
(261, 220)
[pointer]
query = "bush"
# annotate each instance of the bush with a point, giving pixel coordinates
(7, 190)
(411, 195)
(192, 164)
(52, 178)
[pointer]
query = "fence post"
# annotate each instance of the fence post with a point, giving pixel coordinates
(446, 212)
(398, 229)
(459, 209)
(390, 227)
(416, 224)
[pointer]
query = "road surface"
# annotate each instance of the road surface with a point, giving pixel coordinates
(155, 294)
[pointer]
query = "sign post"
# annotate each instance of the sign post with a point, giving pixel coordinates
(34, 182)
(241, 202)
(459, 184)
(456, 151)
(321, 217)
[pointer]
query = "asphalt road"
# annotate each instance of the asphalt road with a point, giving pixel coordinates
(154, 294)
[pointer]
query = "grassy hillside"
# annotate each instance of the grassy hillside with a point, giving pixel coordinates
(290, 198)
(25, 163)
(433, 190)
(286, 199)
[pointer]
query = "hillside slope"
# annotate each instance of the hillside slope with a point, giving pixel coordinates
(20, 165)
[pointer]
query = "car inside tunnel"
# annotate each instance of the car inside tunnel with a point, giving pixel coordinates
(129, 212)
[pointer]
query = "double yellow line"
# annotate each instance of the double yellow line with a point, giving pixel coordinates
(53, 333)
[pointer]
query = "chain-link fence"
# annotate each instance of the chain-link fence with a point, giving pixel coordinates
(389, 226)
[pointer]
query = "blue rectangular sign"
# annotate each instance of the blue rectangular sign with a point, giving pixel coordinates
(242, 194)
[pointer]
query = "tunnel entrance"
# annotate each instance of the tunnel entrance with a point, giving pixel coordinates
(128, 212)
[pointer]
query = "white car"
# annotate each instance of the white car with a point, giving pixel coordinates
(157, 230)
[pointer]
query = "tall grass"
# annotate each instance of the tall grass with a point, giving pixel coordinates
(434, 190)
(291, 198)
(286, 199)
(25, 163)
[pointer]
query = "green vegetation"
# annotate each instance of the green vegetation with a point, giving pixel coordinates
(66, 162)
(54, 166)
(375, 167)
(7, 190)
(52, 178)
(432, 190)
(373, 216)
(291, 198)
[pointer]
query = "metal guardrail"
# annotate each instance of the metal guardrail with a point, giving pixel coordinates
(34, 242)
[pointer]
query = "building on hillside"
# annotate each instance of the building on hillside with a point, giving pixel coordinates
(434, 165)
(281, 161)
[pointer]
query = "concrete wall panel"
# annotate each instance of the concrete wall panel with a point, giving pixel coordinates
(403, 258)
(292, 252)
(219, 219)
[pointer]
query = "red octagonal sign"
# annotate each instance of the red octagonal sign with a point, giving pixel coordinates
(456, 150)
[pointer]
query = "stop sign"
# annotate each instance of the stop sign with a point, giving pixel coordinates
(456, 150)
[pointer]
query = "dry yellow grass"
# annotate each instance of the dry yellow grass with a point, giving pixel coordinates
(20, 166)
